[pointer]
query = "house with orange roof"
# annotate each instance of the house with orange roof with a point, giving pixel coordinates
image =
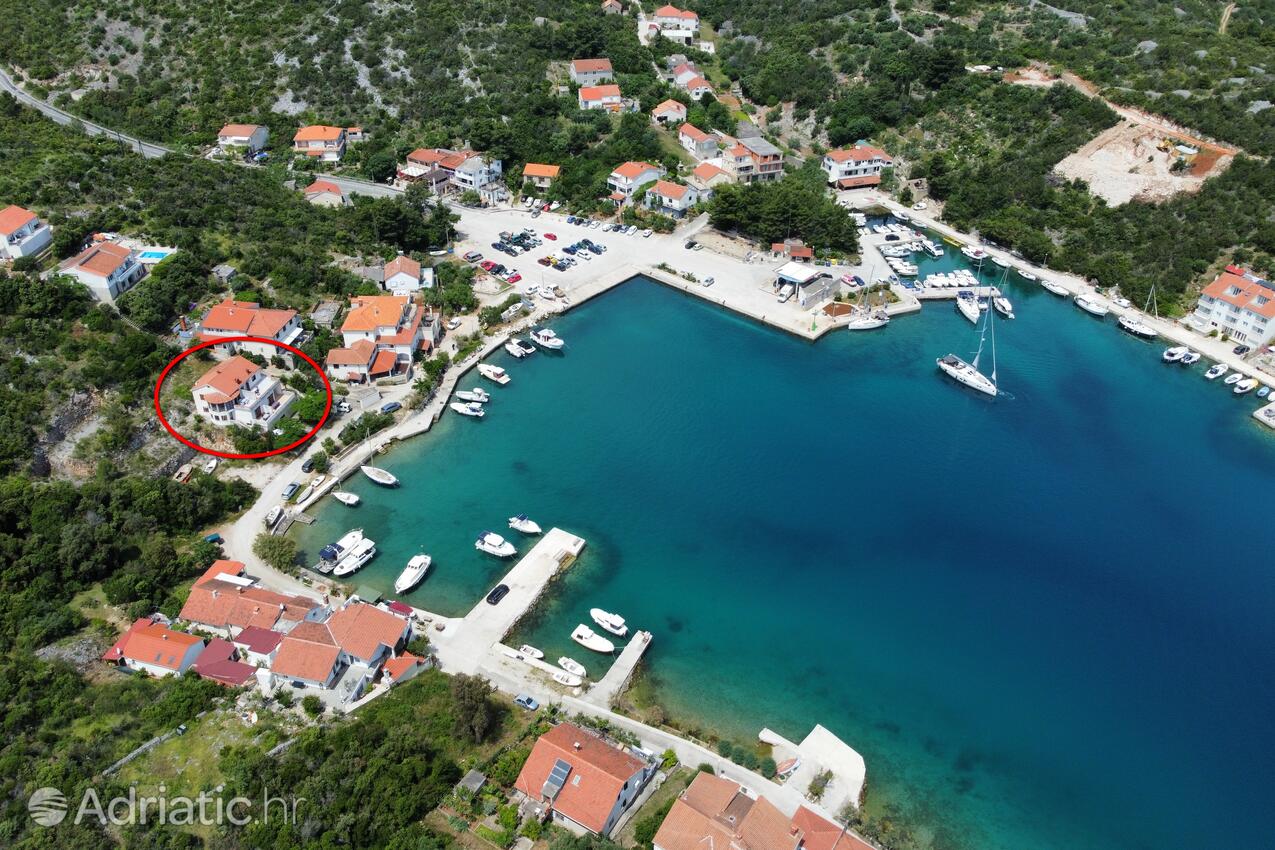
(233, 318)
(601, 97)
(309, 654)
(706, 177)
(540, 174)
(367, 634)
(400, 669)
(448, 170)
(671, 199)
(676, 24)
(1240, 305)
(669, 112)
(325, 193)
(320, 141)
(22, 233)
(154, 648)
(382, 334)
(243, 138)
(631, 176)
(855, 167)
(612, 7)
(696, 142)
(590, 72)
(580, 780)
(226, 602)
(403, 276)
(257, 645)
(106, 268)
(239, 392)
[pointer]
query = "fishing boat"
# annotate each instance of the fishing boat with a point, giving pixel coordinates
(348, 499)
(477, 394)
(1003, 306)
(562, 677)
(494, 544)
(530, 651)
(546, 338)
(1245, 386)
(1174, 354)
(974, 253)
(471, 408)
(1191, 357)
(493, 373)
(613, 623)
(590, 639)
(967, 304)
(211, 466)
(363, 551)
(380, 476)
(1132, 324)
(335, 551)
(1025, 274)
(183, 472)
(1056, 288)
(572, 666)
(273, 516)
(862, 320)
(1091, 307)
(412, 575)
(1233, 378)
(523, 524)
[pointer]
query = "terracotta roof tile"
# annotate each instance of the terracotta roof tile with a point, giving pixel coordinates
(101, 259)
(361, 629)
(537, 169)
(246, 319)
(359, 354)
(156, 644)
(219, 663)
(12, 217)
(238, 130)
(1252, 289)
(307, 652)
(858, 153)
(588, 93)
(369, 312)
(402, 264)
(228, 376)
(318, 133)
(633, 170)
(258, 640)
(590, 65)
(598, 773)
(694, 133)
(669, 190)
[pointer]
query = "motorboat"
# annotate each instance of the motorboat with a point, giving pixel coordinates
(305, 494)
(964, 373)
(494, 544)
(522, 345)
(380, 476)
(183, 473)
(477, 394)
(974, 253)
(211, 466)
(590, 639)
(1245, 386)
(967, 304)
(547, 338)
(1000, 261)
(363, 551)
(562, 677)
(1025, 274)
(1056, 288)
(515, 349)
(318, 481)
(349, 499)
(1234, 378)
(413, 574)
(1174, 354)
(572, 666)
(335, 551)
(1137, 327)
(273, 516)
(1091, 307)
(1191, 357)
(530, 651)
(523, 524)
(1263, 392)
(1003, 306)
(493, 373)
(1216, 371)
(865, 321)
(613, 623)
(470, 408)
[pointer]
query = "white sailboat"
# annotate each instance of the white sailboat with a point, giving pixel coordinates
(863, 320)
(412, 575)
(967, 374)
(494, 544)
(357, 559)
(590, 639)
(493, 373)
(1134, 325)
(967, 304)
(572, 666)
(613, 623)
(1003, 306)
(523, 524)
(381, 476)
(350, 499)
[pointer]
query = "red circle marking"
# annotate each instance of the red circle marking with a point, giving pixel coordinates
(327, 388)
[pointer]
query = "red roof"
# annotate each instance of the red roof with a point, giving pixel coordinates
(322, 187)
(584, 66)
(307, 652)
(102, 259)
(858, 153)
(1251, 292)
(219, 663)
(715, 813)
(258, 640)
(670, 106)
(633, 170)
(403, 264)
(359, 354)
(361, 629)
(384, 362)
(707, 171)
(222, 604)
(857, 182)
(674, 12)
(599, 92)
(694, 133)
(318, 133)
(819, 833)
(537, 169)
(244, 318)
(237, 130)
(152, 643)
(396, 667)
(598, 774)
(669, 190)
(12, 217)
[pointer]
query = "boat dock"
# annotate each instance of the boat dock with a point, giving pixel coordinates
(610, 686)
(1266, 415)
(289, 517)
(948, 293)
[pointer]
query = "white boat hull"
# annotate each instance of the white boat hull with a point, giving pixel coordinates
(963, 373)
(1093, 308)
(572, 666)
(358, 558)
(468, 409)
(1056, 288)
(494, 544)
(379, 476)
(562, 677)
(493, 373)
(417, 569)
(589, 639)
(968, 308)
(350, 499)
(1137, 327)
(613, 623)
(524, 525)
(1003, 306)
(531, 652)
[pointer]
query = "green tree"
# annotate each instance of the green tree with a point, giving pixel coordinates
(278, 552)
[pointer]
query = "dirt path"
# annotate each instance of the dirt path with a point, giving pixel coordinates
(1226, 18)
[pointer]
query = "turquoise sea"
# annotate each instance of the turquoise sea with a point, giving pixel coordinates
(1044, 620)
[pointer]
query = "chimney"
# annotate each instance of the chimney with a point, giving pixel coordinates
(214, 594)
(576, 745)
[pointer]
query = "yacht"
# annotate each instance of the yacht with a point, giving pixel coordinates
(471, 408)
(590, 639)
(1245, 386)
(1216, 371)
(1190, 357)
(273, 516)
(477, 394)
(211, 466)
(1233, 378)
(1003, 306)
(493, 373)
(863, 320)
(523, 524)
(613, 623)
(335, 551)
(1025, 274)
(412, 575)
(531, 652)
(1093, 308)
(562, 677)
(1137, 327)
(494, 544)
(523, 346)
(966, 374)
(546, 338)
(968, 305)
(932, 248)
(1056, 288)
(974, 253)
(572, 666)
(360, 554)
(1174, 354)
(381, 476)
(350, 499)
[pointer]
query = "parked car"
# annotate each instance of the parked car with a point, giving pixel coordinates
(1241, 349)
(551, 237)
(570, 249)
(390, 407)
(307, 465)
(647, 232)
(344, 407)
(497, 246)
(487, 265)
(535, 213)
(689, 244)
(527, 702)
(545, 261)
(595, 224)
(290, 490)
(571, 219)
(498, 593)
(453, 323)
(514, 278)
(472, 256)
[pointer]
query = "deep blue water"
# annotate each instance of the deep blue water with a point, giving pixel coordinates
(1044, 620)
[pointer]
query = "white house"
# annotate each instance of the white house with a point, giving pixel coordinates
(246, 318)
(480, 174)
(1239, 304)
(676, 24)
(24, 234)
(239, 392)
(320, 141)
(861, 165)
(670, 198)
(601, 97)
(325, 193)
(381, 335)
(591, 72)
(698, 143)
(403, 276)
(630, 177)
(249, 137)
(669, 113)
(155, 649)
(106, 268)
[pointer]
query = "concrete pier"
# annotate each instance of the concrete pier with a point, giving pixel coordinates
(613, 683)
(1266, 415)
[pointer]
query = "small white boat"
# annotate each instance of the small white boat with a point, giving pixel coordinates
(350, 499)
(530, 651)
(1190, 357)
(211, 466)
(1216, 371)
(1174, 354)
(964, 373)
(547, 338)
(493, 373)
(1234, 378)
(590, 639)
(1245, 386)
(335, 551)
(1025, 274)
(562, 677)
(515, 349)
(471, 408)
(865, 321)
(1093, 308)
(522, 345)
(494, 544)
(973, 252)
(523, 524)
(1003, 306)
(381, 476)
(613, 623)
(412, 575)
(967, 304)
(305, 494)
(1132, 324)
(1263, 392)
(273, 517)
(572, 666)
(1056, 288)
(362, 552)
(318, 481)
(1000, 261)
(476, 394)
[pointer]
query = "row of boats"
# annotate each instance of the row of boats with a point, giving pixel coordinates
(544, 337)
(572, 673)
(1237, 381)
(470, 402)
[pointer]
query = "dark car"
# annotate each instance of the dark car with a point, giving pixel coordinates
(544, 261)
(498, 593)
(690, 243)
(390, 407)
(1241, 349)
(570, 249)
(307, 465)
(597, 249)
(571, 219)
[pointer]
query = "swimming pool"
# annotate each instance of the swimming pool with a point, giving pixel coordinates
(154, 255)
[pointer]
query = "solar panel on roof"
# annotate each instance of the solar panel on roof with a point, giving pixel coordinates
(557, 778)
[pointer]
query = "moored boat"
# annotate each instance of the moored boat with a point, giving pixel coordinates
(1216, 371)
(513, 348)
(273, 517)
(359, 555)
(471, 408)
(494, 544)
(1056, 288)
(866, 321)
(413, 573)
(211, 466)
(523, 524)
(590, 639)
(1026, 274)
(350, 499)
(1132, 324)
(966, 374)
(572, 666)
(477, 394)
(1174, 354)
(974, 253)
(183, 472)
(546, 338)
(613, 623)
(335, 551)
(493, 373)
(1263, 392)
(1000, 261)
(967, 304)
(1091, 307)
(381, 476)
(1192, 356)
(1233, 378)
(1245, 386)
(562, 677)
(1003, 306)
(530, 651)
